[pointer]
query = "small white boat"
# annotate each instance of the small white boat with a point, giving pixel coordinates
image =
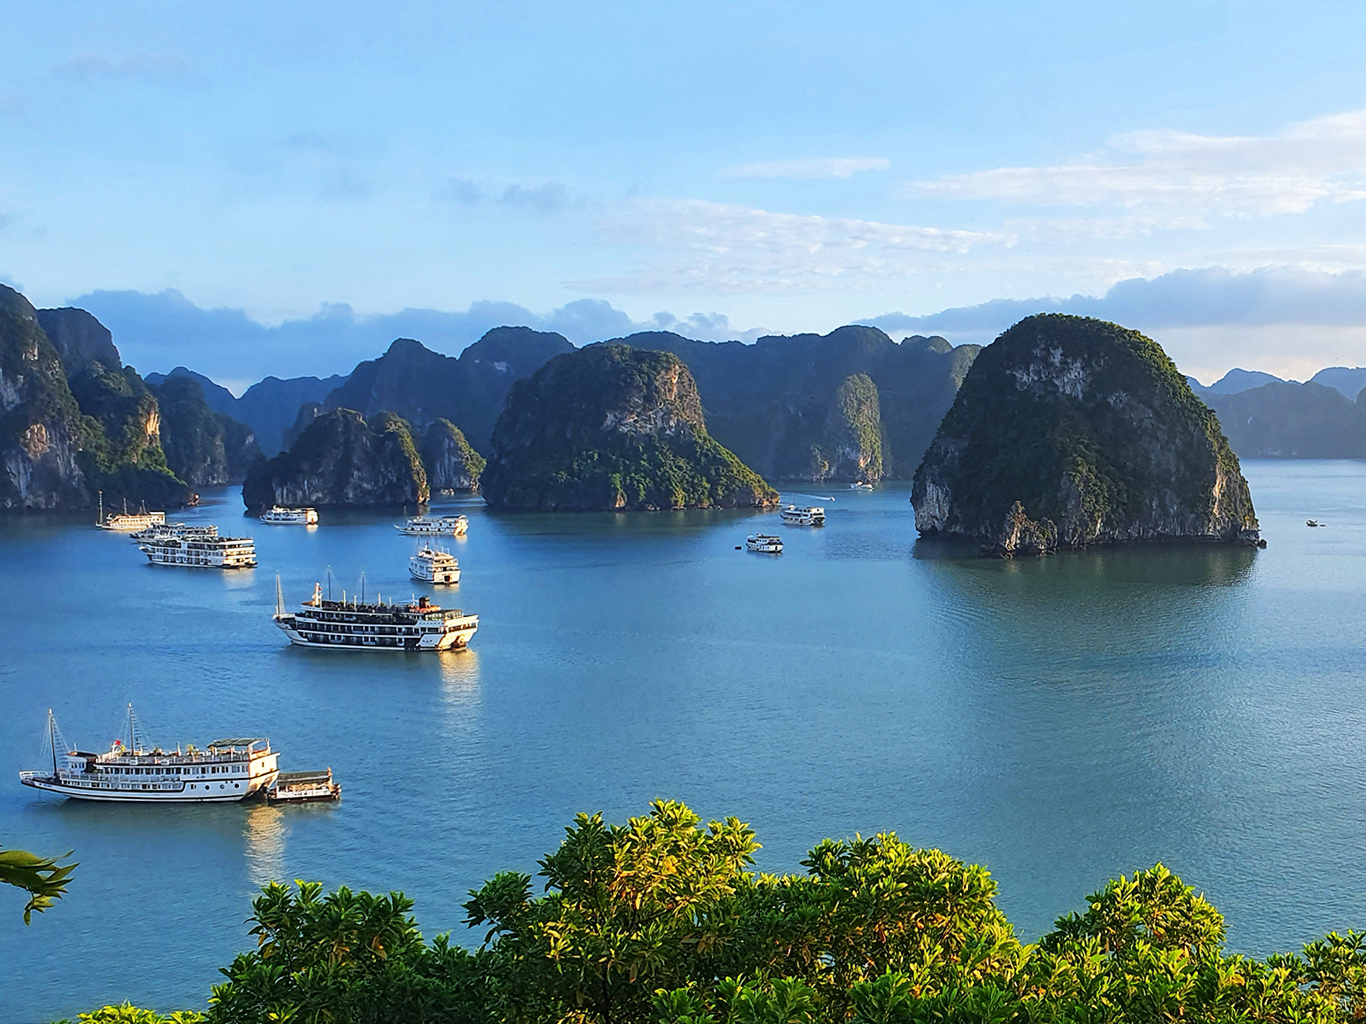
(302, 787)
(859, 485)
(434, 526)
(432, 565)
(765, 543)
(803, 515)
(283, 516)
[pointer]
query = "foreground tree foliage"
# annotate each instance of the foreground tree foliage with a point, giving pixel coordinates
(661, 921)
(41, 877)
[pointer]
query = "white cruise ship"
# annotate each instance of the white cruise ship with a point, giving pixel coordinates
(281, 516)
(860, 485)
(379, 626)
(430, 526)
(228, 769)
(798, 515)
(765, 543)
(201, 552)
(431, 565)
(158, 531)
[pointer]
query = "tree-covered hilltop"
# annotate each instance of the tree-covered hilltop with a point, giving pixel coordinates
(451, 464)
(613, 427)
(341, 458)
(662, 921)
(204, 448)
(1070, 431)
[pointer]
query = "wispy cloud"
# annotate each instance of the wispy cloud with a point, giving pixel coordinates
(1310, 162)
(93, 65)
(721, 248)
(548, 197)
(812, 167)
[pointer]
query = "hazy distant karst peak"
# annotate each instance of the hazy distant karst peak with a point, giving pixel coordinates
(1238, 379)
(613, 427)
(1070, 431)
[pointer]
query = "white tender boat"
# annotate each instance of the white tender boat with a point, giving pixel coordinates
(379, 626)
(765, 543)
(431, 565)
(302, 787)
(432, 526)
(859, 485)
(228, 769)
(799, 515)
(279, 516)
(201, 552)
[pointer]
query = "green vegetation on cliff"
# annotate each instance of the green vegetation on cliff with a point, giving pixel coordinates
(121, 451)
(203, 448)
(340, 458)
(450, 462)
(1093, 431)
(852, 447)
(613, 427)
(662, 921)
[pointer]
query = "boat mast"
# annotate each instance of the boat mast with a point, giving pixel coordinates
(279, 598)
(101, 511)
(52, 739)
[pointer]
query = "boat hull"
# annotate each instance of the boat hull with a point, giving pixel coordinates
(216, 793)
(429, 642)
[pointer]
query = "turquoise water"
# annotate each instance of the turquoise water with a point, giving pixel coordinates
(1060, 721)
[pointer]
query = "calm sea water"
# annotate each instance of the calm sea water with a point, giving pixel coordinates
(1060, 721)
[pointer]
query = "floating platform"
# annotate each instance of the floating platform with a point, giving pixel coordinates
(303, 787)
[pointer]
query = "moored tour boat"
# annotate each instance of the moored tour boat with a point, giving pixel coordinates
(201, 552)
(377, 626)
(282, 516)
(159, 531)
(227, 770)
(765, 543)
(859, 485)
(431, 565)
(127, 522)
(810, 515)
(430, 526)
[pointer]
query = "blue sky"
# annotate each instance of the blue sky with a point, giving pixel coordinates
(726, 170)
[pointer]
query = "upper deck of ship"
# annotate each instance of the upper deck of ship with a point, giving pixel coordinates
(355, 611)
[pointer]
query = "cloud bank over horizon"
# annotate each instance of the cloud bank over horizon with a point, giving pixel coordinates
(1285, 320)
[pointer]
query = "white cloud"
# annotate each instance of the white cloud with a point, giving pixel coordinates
(813, 167)
(721, 248)
(1310, 162)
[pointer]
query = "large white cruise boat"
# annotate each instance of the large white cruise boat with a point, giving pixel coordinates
(765, 543)
(431, 565)
(431, 526)
(281, 516)
(159, 531)
(228, 769)
(201, 552)
(378, 626)
(811, 515)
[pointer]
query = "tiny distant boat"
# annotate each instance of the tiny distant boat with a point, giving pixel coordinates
(765, 543)
(303, 787)
(799, 515)
(859, 485)
(282, 516)
(431, 565)
(128, 522)
(227, 770)
(201, 552)
(160, 531)
(1312, 522)
(356, 625)
(431, 526)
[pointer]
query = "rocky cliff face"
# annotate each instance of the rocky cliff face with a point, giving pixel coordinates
(775, 401)
(423, 386)
(342, 459)
(613, 427)
(450, 462)
(1069, 432)
(852, 447)
(40, 423)
(79, 338)
(203, 448)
